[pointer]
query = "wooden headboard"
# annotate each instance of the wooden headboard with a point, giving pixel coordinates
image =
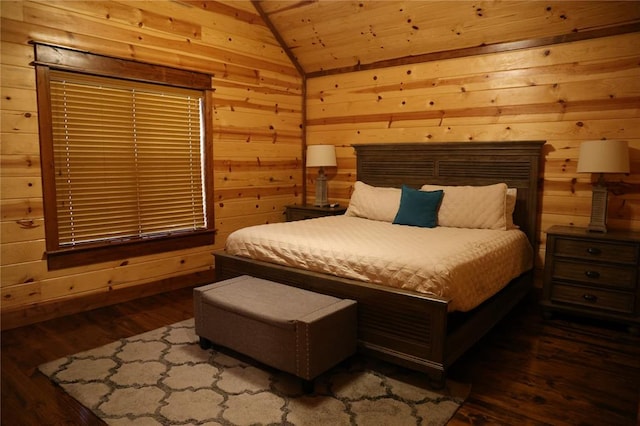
(459, 163)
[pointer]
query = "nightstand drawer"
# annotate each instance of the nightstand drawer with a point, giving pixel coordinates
(597, 250)
(595, 273)
(593, 298)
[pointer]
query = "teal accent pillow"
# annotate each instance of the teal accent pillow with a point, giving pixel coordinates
(418, 208)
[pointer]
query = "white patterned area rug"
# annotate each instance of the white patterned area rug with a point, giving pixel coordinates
(163, 378)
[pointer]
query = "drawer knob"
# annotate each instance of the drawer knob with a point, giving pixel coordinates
(592, 274)
(590, 297)
(594, 251)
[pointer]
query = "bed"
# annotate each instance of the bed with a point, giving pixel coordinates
(410, 328)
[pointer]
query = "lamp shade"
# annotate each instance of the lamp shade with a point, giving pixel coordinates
(321, 156)
(603, 156)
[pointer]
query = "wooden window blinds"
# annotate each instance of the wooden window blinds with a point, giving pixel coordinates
(127, 157)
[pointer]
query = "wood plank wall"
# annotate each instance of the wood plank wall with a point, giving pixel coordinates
(562, 93)
(257, 132)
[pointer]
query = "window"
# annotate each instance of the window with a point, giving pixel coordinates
(124, 160)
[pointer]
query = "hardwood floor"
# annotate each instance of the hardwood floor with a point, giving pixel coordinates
(563, 371)
(527, 371)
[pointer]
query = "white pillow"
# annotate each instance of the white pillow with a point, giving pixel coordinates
(478, 207)
(376, 203)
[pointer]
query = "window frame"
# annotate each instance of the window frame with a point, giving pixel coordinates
(48, 57)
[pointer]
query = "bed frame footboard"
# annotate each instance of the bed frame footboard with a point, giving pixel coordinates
(403, 327)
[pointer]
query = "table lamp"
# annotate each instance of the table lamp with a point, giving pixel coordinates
(602, 156)
(321, 156)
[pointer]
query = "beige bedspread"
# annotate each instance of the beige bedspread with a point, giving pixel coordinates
(466, 266)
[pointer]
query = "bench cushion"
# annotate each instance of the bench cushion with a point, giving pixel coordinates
(266, 301)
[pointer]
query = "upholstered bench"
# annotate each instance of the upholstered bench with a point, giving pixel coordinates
(291, 329)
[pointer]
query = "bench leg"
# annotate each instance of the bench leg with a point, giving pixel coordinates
(205, 343)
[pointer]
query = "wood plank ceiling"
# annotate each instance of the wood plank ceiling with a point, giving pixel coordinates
(329, 36)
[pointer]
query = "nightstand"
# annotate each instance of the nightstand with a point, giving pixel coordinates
(297, 212)
(593, 274)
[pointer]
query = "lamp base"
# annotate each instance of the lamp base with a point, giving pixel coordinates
(321, 190)
(599, 201)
